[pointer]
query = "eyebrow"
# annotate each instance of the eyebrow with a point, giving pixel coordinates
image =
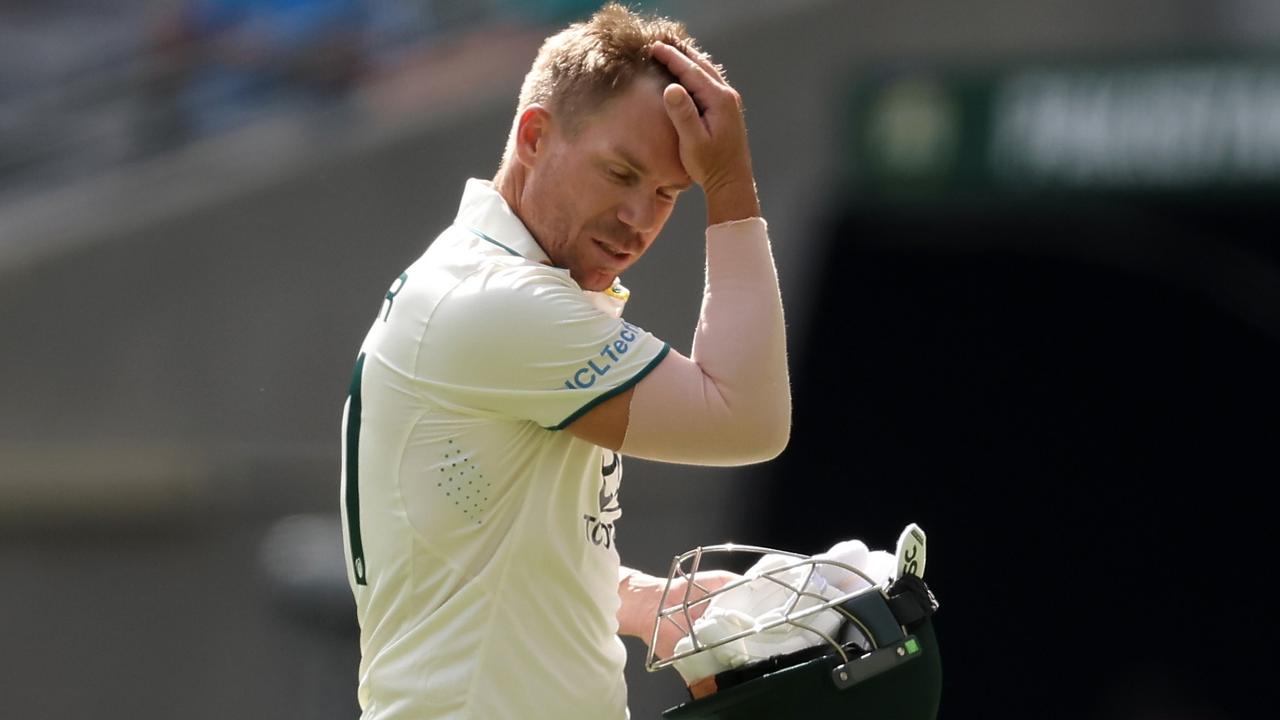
(635, 162)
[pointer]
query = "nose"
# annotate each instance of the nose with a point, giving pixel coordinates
(640, 212)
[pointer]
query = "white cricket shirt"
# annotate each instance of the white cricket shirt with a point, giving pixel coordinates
(480, 537)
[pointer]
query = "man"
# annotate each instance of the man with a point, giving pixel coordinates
(499, 386)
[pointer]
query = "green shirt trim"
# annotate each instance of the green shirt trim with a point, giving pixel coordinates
(486, 238)
(616, 391)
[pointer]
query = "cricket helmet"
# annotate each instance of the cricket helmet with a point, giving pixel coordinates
(805, 636)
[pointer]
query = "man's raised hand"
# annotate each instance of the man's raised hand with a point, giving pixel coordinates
(707, 114)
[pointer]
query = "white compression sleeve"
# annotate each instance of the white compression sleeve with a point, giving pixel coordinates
(730, 404)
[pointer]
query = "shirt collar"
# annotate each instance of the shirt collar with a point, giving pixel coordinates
(486, 214)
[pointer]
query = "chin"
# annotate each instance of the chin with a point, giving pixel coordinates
(596, 282)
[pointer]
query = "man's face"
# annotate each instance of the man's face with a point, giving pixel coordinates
(595, 199)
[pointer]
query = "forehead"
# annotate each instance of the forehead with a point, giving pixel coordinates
(633, 126)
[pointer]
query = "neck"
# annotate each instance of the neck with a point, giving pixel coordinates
(509, 182)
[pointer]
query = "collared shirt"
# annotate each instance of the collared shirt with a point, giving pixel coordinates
(481, 540)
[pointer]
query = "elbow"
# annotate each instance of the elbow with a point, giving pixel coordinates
(709, 428)
(763, 435)
(769, 418)
(773, 435)
(778, 440)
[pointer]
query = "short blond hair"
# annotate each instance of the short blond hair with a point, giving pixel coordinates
(589, 62)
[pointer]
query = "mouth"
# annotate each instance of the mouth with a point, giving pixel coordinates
(618, 255)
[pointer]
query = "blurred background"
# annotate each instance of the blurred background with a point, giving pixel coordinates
(1029, 259)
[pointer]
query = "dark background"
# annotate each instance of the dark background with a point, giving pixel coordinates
(1090, 446)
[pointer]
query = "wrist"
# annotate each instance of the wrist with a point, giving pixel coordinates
(638, 594)
(732, 200)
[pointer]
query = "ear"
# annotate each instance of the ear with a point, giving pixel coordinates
(532, 131)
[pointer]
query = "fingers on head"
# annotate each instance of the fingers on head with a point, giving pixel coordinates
(685, 114)
(687, 65)
(703, 78)
(677, 54)
(703, 60)
(678, 100)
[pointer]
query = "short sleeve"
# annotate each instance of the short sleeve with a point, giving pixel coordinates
(527, 343)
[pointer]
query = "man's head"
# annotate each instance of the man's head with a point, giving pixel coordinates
(592, 166)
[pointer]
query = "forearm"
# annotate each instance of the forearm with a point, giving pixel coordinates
(639, 595)
(730, 402)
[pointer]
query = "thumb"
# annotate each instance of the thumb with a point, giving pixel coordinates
(683, 112)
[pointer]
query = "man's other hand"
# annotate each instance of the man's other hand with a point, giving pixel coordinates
(641, 595)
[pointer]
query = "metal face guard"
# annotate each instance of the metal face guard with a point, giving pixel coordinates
(687, 565)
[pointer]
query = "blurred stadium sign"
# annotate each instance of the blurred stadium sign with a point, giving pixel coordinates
(1144, 126)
